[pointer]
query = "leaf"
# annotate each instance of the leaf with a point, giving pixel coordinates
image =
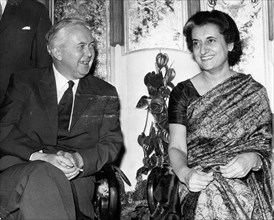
(171, 85)
(150, 149)
(140, 171)
(143, 102)
(164, 135)
(148, 76)
(157, 105)
(122, 175)
(163, 121)
(170, 74)
(157, 149)
(165, 146)
(154, 80)
(145, 161)
(152, 132)
(152, 91)
(141, 139)
(153, 161)
(165, 92)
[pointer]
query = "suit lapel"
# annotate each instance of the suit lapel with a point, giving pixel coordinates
(8, 16)
(47, 87)
(80, 103)
(84, 96)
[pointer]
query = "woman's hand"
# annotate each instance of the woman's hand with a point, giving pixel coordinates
(240, 165)
(196, 180)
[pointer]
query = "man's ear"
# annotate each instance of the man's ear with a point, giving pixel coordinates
(56, 53)
(230, 47)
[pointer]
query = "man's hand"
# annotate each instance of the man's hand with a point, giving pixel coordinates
(75, 158)
(62, 162)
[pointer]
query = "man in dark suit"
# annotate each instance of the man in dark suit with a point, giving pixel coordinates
(48, 170)
(23, 26)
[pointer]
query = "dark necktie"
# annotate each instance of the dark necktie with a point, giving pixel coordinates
(64, 108)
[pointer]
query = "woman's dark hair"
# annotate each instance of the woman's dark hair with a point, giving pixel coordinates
(227, 27)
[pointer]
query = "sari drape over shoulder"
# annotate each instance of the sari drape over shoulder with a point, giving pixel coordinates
(231, 119)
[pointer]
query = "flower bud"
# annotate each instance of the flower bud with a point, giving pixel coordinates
(162, 60)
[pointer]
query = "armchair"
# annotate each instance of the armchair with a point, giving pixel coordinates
(162, 194)
(107, 204)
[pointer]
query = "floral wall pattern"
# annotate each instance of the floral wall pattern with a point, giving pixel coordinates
(154, 24)
(247, 14)
(96, 13)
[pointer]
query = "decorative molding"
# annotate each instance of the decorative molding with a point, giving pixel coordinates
(116, 22)
(193, 6)
(271, 19)
(212, 3)
(51, 10)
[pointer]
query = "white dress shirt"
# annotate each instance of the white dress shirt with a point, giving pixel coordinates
(62, 85)
(3, 4)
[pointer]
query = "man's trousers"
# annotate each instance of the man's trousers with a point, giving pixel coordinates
(38, 190)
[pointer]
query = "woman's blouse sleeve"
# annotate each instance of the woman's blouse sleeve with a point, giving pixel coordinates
(180, 98)
(177, 107)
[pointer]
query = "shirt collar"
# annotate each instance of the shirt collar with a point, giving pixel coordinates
(3, 4)
(61, 81)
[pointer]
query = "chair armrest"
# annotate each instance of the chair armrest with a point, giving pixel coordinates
(152, 181)
(162, 191)
(109, 207)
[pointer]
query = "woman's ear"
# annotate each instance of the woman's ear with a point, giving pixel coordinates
(230, 47)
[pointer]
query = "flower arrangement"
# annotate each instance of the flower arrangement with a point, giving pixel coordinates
(155, 144)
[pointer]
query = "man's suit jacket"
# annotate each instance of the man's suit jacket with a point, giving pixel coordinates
(22, 39)
(28, 119)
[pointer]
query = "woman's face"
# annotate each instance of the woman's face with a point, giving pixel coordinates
(210, 50)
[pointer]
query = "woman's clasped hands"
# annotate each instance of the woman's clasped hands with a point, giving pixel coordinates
(238, 167)
(241, 165)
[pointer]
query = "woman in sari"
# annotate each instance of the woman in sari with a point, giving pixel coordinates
(220, 129)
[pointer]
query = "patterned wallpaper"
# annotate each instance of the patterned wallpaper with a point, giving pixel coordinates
(96, 13)
(154, 24)
(248, 15)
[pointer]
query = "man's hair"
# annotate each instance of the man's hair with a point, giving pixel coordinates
(52, 34)
(226, 25)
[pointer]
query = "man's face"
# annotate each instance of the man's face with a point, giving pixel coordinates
(76, 52)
